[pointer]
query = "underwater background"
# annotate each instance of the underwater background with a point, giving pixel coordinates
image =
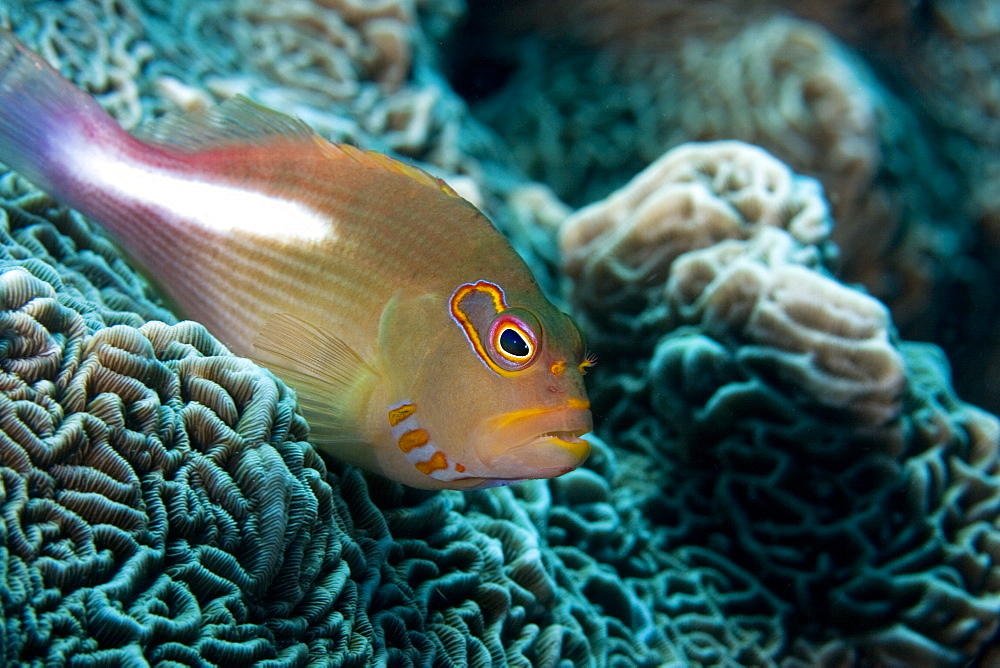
(779, 226)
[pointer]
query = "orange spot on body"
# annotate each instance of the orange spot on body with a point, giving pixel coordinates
(437, 462)
(412, 439)
(558, 367)
(400, 413)
(459, 468)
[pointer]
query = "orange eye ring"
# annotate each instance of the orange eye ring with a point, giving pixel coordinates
(513, 342)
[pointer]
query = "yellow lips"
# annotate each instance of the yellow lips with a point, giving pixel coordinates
(538, 442)
(577, 447)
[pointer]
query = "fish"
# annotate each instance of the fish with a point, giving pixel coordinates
(418, 343)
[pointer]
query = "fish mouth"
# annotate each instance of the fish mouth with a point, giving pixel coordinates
(569, 440)
(534, 444)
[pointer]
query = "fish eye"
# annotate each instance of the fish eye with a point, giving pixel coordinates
(513, 338)
(512, 343)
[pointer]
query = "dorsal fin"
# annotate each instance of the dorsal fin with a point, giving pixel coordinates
(331, 380)
(236, 122)
(239, 122)
(376, 160)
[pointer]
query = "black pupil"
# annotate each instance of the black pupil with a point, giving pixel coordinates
(513, 343)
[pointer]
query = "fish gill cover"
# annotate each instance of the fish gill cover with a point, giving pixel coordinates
(779, 480)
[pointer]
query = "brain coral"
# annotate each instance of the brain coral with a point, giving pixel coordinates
(160, 504)
(618, 251)
(135, 518)
(786, 427)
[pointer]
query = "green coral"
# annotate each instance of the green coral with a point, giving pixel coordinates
(136, 518)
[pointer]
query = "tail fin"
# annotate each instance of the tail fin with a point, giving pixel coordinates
(43, 117)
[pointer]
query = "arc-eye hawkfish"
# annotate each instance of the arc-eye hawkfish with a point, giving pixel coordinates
(417, 341)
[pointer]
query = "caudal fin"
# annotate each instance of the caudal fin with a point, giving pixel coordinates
(43, 118)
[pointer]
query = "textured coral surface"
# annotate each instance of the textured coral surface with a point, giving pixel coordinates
(159, 502)
(785, 426)
(777, 480)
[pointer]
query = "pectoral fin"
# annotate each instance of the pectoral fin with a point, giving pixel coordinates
(331, 380)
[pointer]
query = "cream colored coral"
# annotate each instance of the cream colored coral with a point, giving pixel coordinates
(784, 84)
(692, 197)
(534, 205)
(724, 237)
(406, 119)
(328, 48)
(819, 342)
(321, 56)
(665, 75)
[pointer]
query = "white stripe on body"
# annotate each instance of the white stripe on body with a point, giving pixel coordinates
(180, 197)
